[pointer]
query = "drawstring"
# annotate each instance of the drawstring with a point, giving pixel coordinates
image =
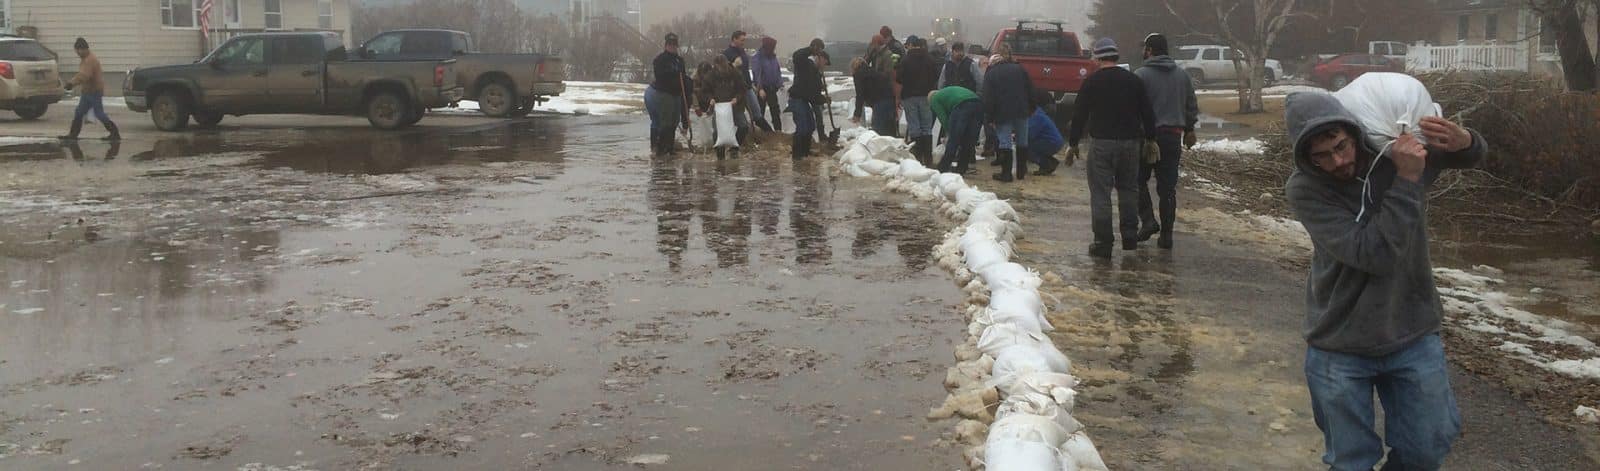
(1366, 182)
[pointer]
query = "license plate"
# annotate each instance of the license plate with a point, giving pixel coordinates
(41, 75)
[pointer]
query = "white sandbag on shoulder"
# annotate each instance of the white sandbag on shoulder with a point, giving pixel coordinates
(1019, 455)
(1382, 99)
(1083, 453)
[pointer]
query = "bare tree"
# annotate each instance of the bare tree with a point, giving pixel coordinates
(1565, 19)
(1250, 27)
(705, 34)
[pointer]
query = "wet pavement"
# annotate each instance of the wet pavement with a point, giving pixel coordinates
(497, 296)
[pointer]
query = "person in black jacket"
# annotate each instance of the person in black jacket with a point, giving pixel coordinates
(1113, 105)
(741, 60)
(803, 95)
(1008, 102)
(918, 75)
(665, 97)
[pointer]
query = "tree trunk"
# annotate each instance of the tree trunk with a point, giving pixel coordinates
(1251, 81)
(1577, 65)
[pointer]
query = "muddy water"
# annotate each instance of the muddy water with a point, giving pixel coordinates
(1557, 275)
(537, 295)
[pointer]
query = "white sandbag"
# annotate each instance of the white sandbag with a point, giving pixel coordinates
(1019, 455)
(856, 171)
(1018, 351)
(923, 192)
(1058, 386)
(1008, 298)
(913, 171)
(1042, 406)
(882, 144)
(968, 199)
(982, 254)
(855, 155)
(1022, 426)
(998, 209)
(1011, 275)
(1031, 322)
(1083, 452)
(949, 184)
(876, 167)
(1380, 100)
(857, 133)
(726, 129)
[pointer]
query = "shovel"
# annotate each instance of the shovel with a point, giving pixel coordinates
(833, 136)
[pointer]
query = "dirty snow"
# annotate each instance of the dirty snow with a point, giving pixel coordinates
(17, 141)
(1274, 91)
(1474, 301)
(1251, 146)
(596, 98)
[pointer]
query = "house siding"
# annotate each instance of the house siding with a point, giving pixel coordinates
(107, 24)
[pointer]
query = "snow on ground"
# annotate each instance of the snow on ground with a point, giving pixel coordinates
(17, 141)
(1474, 300)
(1280, 90)
(116, 101)
(1251, 146)
(597, 98)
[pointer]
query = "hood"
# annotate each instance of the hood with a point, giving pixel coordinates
(1161, 62)
(1307, 114)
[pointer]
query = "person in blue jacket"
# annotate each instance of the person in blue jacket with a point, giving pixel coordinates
(1044, 138)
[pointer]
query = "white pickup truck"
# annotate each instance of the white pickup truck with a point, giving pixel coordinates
(1212, 64)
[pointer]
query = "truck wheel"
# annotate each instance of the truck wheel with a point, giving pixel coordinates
(1198, 77)
(30, 112)
(169, 112)
(496, 99)
(1339, 82)
(388, 110)
(207, 120)
(415, 117)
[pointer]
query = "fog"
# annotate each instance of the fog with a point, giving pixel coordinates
(857, 20)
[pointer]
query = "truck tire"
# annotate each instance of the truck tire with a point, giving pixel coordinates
(496, 99)
(169, 112)
(1198, 77)
(206, 119)
(415, 117)
(388, 110)
(30, 112)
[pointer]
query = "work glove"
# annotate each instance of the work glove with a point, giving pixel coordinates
(1072, 156)
(1152, 153)
(1189, 140)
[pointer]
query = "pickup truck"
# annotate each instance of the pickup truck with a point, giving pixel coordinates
(502, 84)
(289, 73)
(1209, 64)
(1054, 58)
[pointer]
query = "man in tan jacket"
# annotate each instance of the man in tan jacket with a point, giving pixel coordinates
(92, 88)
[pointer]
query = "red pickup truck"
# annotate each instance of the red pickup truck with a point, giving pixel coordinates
(1053, 56)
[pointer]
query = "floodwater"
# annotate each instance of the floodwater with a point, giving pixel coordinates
(513, 296)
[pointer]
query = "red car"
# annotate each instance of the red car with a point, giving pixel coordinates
(1336, 72)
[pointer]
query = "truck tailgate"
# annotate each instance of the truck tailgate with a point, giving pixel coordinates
(1057, 74)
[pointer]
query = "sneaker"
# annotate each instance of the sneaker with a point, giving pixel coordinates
(1100, 250)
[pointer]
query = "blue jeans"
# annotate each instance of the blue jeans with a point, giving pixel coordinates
(966, 122)
(1420, 416)
(91, 102)
(650, 109)
(1004, 128)
(885, 119)
(1166, 173)
(668, 112)
(804, 120)
(919, 116)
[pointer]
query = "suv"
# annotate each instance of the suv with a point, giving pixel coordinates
(29, 78)
(1209, 64)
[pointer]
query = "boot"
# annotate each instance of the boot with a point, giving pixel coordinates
(722, 153)
(797, 144)
(1150, 230)
(742, 136)
(1005, 171)
(1129, 244)
(1100, 250)
(1020, 156)
(77, 126)
(733, 154)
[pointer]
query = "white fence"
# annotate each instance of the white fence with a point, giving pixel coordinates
(1464, 57)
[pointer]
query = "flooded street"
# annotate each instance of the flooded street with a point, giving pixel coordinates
(506, 296)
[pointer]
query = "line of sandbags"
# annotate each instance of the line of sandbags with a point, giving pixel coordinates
(1010, 386)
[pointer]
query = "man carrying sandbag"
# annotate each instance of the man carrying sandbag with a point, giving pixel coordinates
(1372, 311)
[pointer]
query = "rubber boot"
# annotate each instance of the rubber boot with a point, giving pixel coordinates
(1005, 170)
(742, 136)
(798, 143)
(77, 126)
(722, 153)
(1020, 156)
(927, 150)
(111, 132)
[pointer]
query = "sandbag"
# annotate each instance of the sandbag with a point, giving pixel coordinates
(855, 155)
(1008, 298)
(1022, 426)
(1380, 100)
(1019, 455)
(876, 167)
(1031, 322)
(1015, 360)
(1058, 386)
(881, 145)
(856, 171)
(727, 131)
(996, 208)
(1083, 452)
(983, 254)
(1042, 406)
(1011, 275)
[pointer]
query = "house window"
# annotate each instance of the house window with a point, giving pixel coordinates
(1491, 28)
(230, 13)
(5, 15)
(1463, 24)
(178, 13)
(325, 14)
(274, 13)
(1547, 37)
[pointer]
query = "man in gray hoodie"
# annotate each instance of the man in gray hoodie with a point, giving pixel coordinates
(1172, 98)
(1373, 313)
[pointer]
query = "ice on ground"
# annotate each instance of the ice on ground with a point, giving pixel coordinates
(597, 98)
(1474, 304)
(1251, 146)
(18, 140)
(1589, 368)
(1587, 414)
(1274, 91)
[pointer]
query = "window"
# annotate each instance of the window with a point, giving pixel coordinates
(1547, 38)
(458, 42)
(230, 13)
(1491, 28)
(24, 51)
(1463, 24)
(296, 50)
(1355, 60)
(1212, 55)
(385, 45)
(5, 15)
(274, 13)
(1399, 49)
(325, 14)
(247, 51)
(178, 13)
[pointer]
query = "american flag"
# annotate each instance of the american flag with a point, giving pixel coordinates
(205, 19)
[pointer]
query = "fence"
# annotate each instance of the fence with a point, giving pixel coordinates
(1491, 57)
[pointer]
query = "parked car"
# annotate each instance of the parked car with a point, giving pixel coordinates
(1053, 56)
(290, 73)
(1212, 64)
(30, 80)
(1337, 72)
(1391, 49)
(502, 84)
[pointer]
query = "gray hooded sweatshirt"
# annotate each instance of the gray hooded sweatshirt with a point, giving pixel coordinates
(1171, 93)
(1370, 291)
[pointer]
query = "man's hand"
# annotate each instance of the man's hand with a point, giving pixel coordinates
(1410, 157)
(1072, 156)
(1190, 139)
(1445, 135)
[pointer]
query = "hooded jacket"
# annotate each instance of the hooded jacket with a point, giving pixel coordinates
(917, 73)
(1370, 291)
(807, 79)
(1171, 93)
(767, 71)
(1007, 93)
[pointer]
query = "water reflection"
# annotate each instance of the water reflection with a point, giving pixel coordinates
(1158, 346)
(913, 232)
(113, 148)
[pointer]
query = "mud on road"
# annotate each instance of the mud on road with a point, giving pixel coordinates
(532, 295)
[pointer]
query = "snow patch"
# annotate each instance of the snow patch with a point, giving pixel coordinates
(19, 140)
(1251, 146)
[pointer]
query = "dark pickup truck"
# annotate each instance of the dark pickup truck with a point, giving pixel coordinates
(502, 84)
(290, 73)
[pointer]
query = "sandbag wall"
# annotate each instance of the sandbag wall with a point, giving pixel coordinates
(1011, 387)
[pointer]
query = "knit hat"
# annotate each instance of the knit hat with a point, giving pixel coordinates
(1105, 48)
(672, 39)
(940, 42)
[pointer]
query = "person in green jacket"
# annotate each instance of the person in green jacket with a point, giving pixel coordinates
(960, 113)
